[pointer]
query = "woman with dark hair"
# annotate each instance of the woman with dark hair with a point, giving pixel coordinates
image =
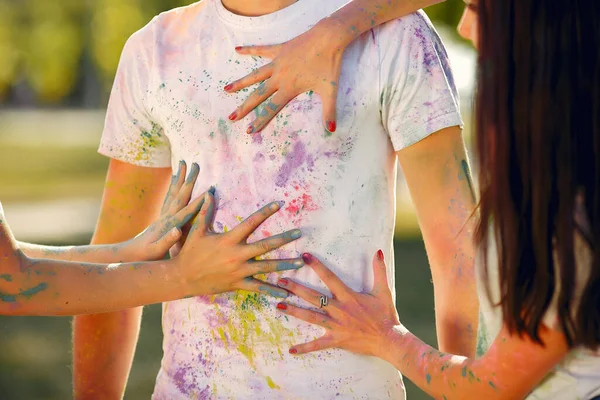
(538, 146)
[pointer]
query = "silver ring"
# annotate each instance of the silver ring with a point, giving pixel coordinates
(324, 301)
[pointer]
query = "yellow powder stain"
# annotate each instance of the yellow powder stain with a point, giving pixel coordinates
(243, 329)
(148, 142)
(272, 384)
(240, 219)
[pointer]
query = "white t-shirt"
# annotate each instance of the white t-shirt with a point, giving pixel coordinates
(577, 377)
(168, 104)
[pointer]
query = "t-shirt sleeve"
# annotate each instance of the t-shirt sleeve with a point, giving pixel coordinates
(417, 92)
(131, 134)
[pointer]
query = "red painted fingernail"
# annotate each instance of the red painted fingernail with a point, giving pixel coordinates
(233, 116)
(380, 255)
(228, 87)
(238, 48)
(250, 129)
(331, 126)
(293, 351)
(281, 306)
(307, 258)
(283, 282)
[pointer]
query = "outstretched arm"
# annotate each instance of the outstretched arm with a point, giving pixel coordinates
(313, 60)
(368, 324)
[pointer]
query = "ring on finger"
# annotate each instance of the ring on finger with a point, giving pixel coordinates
(324, 300)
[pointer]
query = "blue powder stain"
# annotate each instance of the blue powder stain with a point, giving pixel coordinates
(34, 290)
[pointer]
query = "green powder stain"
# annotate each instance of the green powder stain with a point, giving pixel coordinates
(6, 277)
(148, 142)
(492, 385)
(223, 127)
(428, 378)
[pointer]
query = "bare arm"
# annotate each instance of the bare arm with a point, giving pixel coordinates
(313, 60)
(438, 176)
(511, 368)
(104, 344)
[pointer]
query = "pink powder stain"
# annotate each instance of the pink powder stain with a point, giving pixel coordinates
(302, 203)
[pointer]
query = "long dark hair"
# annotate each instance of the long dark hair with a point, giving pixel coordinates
(538, 143)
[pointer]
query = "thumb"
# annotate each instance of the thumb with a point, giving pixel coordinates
(380, 281)
(269, 52)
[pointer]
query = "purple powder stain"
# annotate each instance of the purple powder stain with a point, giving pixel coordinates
(294, 160)
(429, 56)
(258, 157)
(218, 300)
(257, 138)
(348, 91)
(180, 381)
(215, 319)
(272, 157)
(204, 394)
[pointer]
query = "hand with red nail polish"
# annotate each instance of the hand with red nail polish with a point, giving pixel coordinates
(353, 321)
(310, 62)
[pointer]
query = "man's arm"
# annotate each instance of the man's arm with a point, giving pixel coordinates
(438, 176)
(104, 344)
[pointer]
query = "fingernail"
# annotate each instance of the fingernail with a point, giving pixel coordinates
(380, 255)
(212, 190)
(293, 351)
(281, 306)
(298, 263)
(193, 172)
(238, 48)
(283, 282)
(250, 130)
(296, 233)
(307, 258)
(228, 87)
(233, 115)
(274, 206)
(331, 126)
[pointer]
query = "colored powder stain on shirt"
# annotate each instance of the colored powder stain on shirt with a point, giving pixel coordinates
(243, 329)
(148, 142)
(272, 384)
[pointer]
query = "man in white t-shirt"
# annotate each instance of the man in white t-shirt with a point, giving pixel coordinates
(397, 101)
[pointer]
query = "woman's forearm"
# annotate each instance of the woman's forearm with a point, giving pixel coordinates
(102, 254)
(49, 287)
(358, 16)
(442, 376)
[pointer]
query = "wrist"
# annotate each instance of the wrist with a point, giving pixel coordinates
(334, 31)
(390, 340)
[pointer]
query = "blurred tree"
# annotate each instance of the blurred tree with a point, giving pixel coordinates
(53, 45)
(9, 48)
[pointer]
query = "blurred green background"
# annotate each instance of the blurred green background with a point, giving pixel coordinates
(58, 62)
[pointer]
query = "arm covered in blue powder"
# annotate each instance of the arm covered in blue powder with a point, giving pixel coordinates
(40, 280)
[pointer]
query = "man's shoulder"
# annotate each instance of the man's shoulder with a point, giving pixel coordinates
(169, 26)
(416, 26)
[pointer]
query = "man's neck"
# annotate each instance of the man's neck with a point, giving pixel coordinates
(255, 8)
